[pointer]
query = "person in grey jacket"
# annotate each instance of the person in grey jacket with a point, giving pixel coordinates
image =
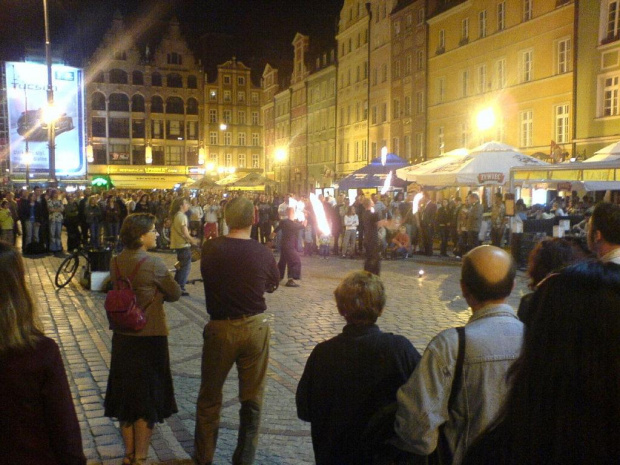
(474, 221)
(493, 335)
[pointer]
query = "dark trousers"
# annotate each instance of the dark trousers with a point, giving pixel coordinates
(429, 232)
(443, 234)
(496, 236)
(289, 257)
(265, 232)
(472, 239)
(373, 259)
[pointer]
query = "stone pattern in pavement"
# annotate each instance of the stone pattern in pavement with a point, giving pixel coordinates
(417, 308)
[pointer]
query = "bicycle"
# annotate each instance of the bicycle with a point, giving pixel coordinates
(69, 266)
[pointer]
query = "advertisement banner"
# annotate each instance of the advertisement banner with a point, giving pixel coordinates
(26, 88)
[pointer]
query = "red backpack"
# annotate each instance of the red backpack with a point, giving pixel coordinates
(121, 303)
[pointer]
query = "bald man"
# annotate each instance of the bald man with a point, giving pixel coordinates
(493, 337)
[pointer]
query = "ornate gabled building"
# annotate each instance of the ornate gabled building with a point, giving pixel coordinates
(144, 108)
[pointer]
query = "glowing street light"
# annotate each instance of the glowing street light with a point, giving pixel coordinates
(280, 156)
(27, 158)
(223, 127)
(485, 119)
(148, 155)
(201, 156)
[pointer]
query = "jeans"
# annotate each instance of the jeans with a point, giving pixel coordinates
(348, 243)
(184, 256)
(244, 342)
(94, 234)
(31, 232)
(55, 230)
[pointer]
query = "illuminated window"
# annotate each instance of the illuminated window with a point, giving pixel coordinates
(525, 131)
(562, 118)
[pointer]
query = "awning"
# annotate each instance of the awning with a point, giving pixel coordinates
(148, 182)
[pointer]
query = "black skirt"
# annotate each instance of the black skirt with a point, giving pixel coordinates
(140, 381)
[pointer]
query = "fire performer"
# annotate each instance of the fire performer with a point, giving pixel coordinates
(288, 249)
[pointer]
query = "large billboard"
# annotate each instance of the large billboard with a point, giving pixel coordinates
(26, 86)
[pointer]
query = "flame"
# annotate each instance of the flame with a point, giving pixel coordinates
(387, 183)
(319, 213)
(383, 155)
(416, 202)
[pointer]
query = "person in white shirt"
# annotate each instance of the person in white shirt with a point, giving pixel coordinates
(351, 222)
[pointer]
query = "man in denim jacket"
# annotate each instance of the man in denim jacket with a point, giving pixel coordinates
(493, 337)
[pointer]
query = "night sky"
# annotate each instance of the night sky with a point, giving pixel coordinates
(77, 26)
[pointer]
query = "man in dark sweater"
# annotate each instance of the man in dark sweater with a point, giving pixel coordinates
(237, 271)
(288, 249)
(351, 377)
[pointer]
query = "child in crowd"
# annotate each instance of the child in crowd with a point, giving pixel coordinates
(165, 234)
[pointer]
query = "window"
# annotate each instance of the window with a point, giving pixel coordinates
(525, 130)
(241, 139)
(118, 127)
(227, 96)
(174, 156)
(527, 10)
(407, 146)
(119, 154)
(395, 145)
(241, 96)
(500, 73)
(118, 102)
(174, 80)
(464, 82)
(241, 117)
(137, 103)
(373, 118)
(564, 56)
(482, 78)
(255, 139)
(526, 64)
(175, 130)
(419, 145)
(255, 120)
(407, 105)
(213, 138)
(213, 158)
(157, 104)
(384, 112)
(241, 80)
(192, 82)
(137, 78)
(192, 130)
(118, 76)
(192, 106)
(420, 60)
(384, 73)
(442, 41)
(212, 116)
(157, 129)
(98, 101)
(227, 138)
(120, 55)
(396, 27)
(419, 103)
(98, 127)
(441, 89)
(613, 21)
(396, 108)
(255, 99)
(395, 70)
(561, 124)
(227, 80)
(175, 58)
(482, 24)
(213, 95)
(610, 96)
(241, 160)
(255, 160)
(228, 116)
(501, 16)
(407, 65)
(174, 106)
(420, 16)
(156, 80)
(464, 134)
(465, 31)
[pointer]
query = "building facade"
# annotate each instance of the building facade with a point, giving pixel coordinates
(408, 80)
(233, 128)
(144, 110)
(500, 70)
(597, 76)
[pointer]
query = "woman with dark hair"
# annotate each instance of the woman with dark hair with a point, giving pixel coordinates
(564, 401)
(144, 205)
(39, 424)
(548, 255)
(140, 391)
(111, 220)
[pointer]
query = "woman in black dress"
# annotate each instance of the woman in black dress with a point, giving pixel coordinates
(140, 391)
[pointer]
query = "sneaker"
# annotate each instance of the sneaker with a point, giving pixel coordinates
(185, 293)
(291, 283)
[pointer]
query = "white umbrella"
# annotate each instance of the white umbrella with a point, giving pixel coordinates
(609, 153)
(487, 164)
(411, 173)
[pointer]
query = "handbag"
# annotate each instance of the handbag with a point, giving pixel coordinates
(121, 303)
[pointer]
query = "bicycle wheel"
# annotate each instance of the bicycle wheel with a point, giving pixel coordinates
(67, 270)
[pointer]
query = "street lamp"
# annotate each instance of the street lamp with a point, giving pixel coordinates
(485, 120)
(51, 126)
(280, 156)
(148, 155)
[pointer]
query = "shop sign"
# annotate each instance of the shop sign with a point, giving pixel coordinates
(484, 178)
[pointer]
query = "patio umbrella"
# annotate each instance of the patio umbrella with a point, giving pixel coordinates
(205, 182)
(487, 164)
(609, 153)
(374, 174)
(411, 173)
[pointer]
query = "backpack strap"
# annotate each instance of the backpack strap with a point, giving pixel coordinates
(133, 273)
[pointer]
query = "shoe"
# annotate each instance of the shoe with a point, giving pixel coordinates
(291, 283)
(185, 293)
(128, 459)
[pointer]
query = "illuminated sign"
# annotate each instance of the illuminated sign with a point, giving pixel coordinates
(26, 89)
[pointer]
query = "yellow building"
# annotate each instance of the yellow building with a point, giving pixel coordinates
(500, 70)
(353, 92)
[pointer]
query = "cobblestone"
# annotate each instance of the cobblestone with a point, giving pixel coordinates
(417, 308)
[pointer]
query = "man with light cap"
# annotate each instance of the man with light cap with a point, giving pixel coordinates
(429, 412)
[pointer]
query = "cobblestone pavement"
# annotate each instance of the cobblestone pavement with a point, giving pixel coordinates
(301, 317)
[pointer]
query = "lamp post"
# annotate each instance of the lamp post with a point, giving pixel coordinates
(27, 158)
(485, 120)
(51, 124)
